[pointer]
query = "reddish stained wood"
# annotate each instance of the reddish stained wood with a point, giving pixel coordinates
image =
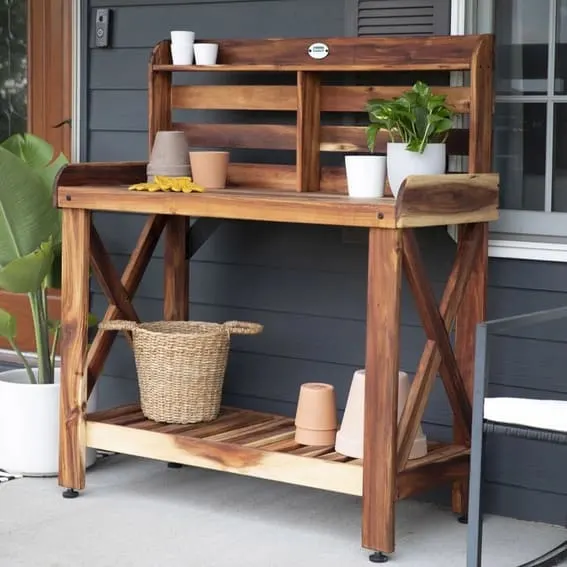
(270, 136)
(308, 131)
(335, 98)
(74, 343)
(176, 271)
(436, 332)
(380, 53)
(381, 393)
(159, 93)
(480, 161)
(430, 361)
(414, 481)
(101, 173)
(237, 97)
(276, 177)
(141, 256)
(108, 278)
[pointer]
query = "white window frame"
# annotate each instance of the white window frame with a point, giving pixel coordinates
(519, 234)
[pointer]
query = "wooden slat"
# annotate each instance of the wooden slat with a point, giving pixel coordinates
(345, 53)
(269, 136)
(430, 199)
(353, 139)
(234, 97)
(418, 480)
(76, 227)
(101, 173)
(276, 177)
(381, 388)
(308, 131)
(354, 98)
(334, 98)
(250, 461)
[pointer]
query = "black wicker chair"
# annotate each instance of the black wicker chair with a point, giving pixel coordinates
(501, 416)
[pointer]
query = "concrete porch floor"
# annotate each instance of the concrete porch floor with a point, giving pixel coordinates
(139, 513)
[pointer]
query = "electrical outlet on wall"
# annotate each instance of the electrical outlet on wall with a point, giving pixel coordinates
(102, 27)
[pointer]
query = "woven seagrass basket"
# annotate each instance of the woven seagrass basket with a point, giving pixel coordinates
(181, 366)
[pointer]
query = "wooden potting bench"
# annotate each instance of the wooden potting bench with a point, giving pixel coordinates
(257, 444)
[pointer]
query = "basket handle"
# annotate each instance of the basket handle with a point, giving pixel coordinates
(243, 328)
(117, 325)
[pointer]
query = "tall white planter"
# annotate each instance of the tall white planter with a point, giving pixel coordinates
(29, 425)
(366, 176)
(402, 162)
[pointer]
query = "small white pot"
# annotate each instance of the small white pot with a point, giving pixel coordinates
(206, 53)
(29, 425)
(402, 162)
(366, 176)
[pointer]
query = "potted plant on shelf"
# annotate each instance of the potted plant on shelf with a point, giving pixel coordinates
(30, 246)
(418, 123)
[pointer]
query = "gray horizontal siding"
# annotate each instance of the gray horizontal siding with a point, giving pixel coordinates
(307, 284)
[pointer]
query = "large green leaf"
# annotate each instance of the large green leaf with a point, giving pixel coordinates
(26, 274)
(27, 215)
(35, 151)
(7, 325)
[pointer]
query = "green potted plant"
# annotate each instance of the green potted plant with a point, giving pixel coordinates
(30, 248)
(418, 123)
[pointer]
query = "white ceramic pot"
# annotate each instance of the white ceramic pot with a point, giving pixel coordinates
(366, 176)
(206, 53)
(29, 425)
(402, 162)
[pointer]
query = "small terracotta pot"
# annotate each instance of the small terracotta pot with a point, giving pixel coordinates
(316, 415)
(350, 437)
(209, 169)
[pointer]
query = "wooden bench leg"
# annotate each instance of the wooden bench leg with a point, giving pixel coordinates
(74, 344)
(176, 285)
(381, 394)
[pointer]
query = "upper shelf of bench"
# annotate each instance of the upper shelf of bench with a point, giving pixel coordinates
(425, 200)
(448, 53)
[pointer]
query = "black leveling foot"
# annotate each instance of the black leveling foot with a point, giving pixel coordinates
(70, 493)
(463, 519)
(174, 466)
(378, 557)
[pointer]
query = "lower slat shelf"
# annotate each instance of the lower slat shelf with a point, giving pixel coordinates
(255, 444)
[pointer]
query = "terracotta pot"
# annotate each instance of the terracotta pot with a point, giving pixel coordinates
(169, 155)
(316, 415)
(350, 437)
(209, 169)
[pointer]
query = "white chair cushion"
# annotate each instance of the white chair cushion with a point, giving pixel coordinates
(539, 414)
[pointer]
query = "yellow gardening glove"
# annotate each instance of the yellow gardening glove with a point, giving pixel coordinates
(162, 183)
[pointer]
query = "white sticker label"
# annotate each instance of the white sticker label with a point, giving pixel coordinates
(318, 50)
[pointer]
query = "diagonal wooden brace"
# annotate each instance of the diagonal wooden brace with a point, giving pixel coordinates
(139, 260)
(437, 328)
(109, 279)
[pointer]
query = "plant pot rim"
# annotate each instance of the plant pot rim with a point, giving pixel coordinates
(5, 378)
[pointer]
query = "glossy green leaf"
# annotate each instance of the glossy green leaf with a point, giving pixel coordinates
(7, 325)
(26, 274)
(27, 215)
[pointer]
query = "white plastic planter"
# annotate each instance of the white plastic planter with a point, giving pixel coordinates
(366, 176)
(29, 425)
(402, 162)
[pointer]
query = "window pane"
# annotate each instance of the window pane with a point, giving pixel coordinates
(559, 194)
(561, 49)
(519, 145)
(13, 67)
(522, 37)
